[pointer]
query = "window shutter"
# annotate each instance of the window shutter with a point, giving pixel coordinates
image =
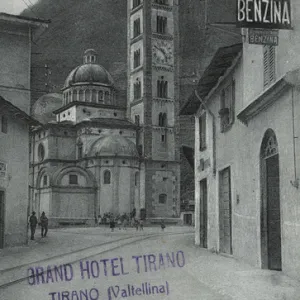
(272, 63)
(266, 66)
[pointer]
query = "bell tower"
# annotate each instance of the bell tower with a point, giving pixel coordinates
(153, 101)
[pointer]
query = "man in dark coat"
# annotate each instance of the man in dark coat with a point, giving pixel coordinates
(33, 222)
(44, 224)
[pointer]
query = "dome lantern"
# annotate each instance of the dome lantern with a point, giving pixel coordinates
(90, 56)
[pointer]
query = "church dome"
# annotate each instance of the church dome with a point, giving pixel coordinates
(114, 145)
(42, 109)
(89, 72)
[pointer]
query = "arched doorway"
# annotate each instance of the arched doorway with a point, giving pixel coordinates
(270, 204)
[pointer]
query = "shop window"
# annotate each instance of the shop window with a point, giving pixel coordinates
(202, 132)
(136, 27)
(161, 24)
(4, 124)
(226, 111)
(107, 177)
(162, 199)
(73, 179)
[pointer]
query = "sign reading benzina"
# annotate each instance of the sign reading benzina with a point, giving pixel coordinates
(272, 14)
(263, 36)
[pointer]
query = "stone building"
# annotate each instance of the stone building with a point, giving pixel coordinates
(17, 34)
(84, 157)
(246, 175)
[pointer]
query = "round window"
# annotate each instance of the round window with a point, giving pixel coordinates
(41, 152)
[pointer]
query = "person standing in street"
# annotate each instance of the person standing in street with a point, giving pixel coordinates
(141, 225)
(44, 224)
(162, 225)
(32, 223)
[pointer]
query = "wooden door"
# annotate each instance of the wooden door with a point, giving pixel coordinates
(1, 219)
(203, 213)
(273, 213)
(225, 211)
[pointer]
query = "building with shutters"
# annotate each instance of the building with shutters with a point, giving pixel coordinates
(17, 34)
(247, 117)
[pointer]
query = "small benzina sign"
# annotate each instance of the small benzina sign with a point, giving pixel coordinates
(272, 14)
(263, 36)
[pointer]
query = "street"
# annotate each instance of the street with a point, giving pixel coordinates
(93, 263)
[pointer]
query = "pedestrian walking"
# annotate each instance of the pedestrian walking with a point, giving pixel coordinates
(99, 220)
(119, 223)
(125, 224)
(162, 225)
(136, 224)
(44, 224)
(112, 224)
(32, 223)
(141, 225)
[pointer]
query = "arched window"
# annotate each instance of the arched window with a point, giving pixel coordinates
(87, 96)
(106, 177)
(162, 120)
(136, 178)
(41, 152)
(94, 96)
(45, 180)
(100, 99)
(81, 96)
(107, 98)
(162, 199)
(79, 150)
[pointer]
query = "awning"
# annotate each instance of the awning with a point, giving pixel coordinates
(221, 61)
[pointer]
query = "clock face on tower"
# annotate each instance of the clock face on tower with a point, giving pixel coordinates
(162, 53)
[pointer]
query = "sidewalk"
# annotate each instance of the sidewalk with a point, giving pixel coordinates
(235, 279)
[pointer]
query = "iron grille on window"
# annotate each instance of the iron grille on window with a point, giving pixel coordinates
(137, 58)
(162, 88)
(226, 111)
(269, 64)
(161, 24)
(137, 90)
(202, 131)
(136, 3)
(136, 28)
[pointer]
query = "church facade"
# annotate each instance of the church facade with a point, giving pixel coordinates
(91, 155)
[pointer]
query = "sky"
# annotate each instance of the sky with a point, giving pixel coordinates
(14, 6)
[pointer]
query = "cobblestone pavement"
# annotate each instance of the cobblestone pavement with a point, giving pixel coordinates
(192, 273)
